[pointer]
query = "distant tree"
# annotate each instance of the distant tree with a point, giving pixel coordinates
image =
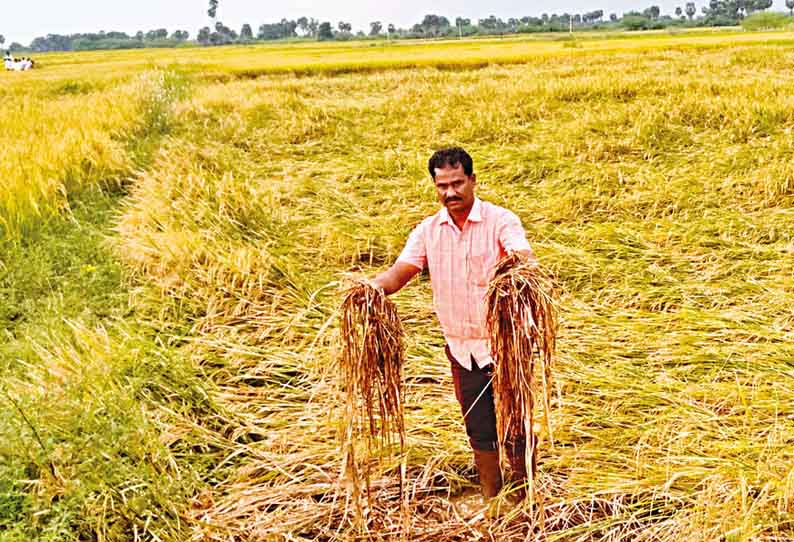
(314, 26)
(269, 32)
(280, 30)
(246, 34)
(213, 9)
(652, 12)
(375, 27)
(344, 27)
(139, 35)
(690, 10)
(154, 35)
(204, 36)
(303, 24)
(180, 35)
(391, 29)
(433, 25)
(159, 34)
(678, 11)
(15, 46)
(222, 35)
(289, 28)
(52, 42)
(613, 17)
(589, 17)
(751, 6)
(790, 6)
(729, 12)
(492, 25)
(324, 31)
(2, 39)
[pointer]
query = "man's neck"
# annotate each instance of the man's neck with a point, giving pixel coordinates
(460, 217)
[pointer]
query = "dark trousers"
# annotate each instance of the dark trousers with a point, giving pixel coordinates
(475, 394)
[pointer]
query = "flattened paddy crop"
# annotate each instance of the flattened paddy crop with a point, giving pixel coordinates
(654, 179)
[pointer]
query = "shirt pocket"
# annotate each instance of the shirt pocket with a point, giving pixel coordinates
(480, 266)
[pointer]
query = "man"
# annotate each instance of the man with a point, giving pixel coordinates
(460, 245)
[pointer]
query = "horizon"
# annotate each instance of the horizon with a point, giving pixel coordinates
(190, 15)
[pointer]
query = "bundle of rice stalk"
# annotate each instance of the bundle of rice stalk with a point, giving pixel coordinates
(372, 379)
(522, 325)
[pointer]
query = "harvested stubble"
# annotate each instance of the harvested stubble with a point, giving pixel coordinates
(522, 324)
(372, 376)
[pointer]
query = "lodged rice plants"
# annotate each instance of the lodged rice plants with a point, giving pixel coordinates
(371, 375)
(671, 258)
(62, 136)
(652, 176)
(522, 325)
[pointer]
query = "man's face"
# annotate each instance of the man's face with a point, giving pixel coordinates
(455, 189)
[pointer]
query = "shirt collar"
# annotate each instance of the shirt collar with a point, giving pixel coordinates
(475, 215)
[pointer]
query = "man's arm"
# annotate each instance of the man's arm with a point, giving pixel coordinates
(395, 277)
(513, 238)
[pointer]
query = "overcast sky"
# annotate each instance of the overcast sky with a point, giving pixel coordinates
(22, 20)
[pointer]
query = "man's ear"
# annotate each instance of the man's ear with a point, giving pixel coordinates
(473, 178)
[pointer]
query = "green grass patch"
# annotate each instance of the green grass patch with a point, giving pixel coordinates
(86, 392)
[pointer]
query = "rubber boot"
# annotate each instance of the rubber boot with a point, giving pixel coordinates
(487, 462)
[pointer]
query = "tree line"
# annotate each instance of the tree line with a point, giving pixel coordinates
(714, 13)
(105, 40)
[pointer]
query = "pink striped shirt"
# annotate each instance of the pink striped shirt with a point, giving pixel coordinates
(461, 265)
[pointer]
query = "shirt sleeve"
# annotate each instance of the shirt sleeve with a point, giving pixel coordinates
(415, 251)
(512, 236)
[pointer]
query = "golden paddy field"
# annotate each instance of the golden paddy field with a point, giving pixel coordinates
(177, 224)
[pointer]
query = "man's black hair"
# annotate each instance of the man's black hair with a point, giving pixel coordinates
(452, 157)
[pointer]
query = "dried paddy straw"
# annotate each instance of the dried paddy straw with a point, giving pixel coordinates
(372, 378)
(522, 325)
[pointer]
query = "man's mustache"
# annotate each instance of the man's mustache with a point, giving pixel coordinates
(453, 198)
